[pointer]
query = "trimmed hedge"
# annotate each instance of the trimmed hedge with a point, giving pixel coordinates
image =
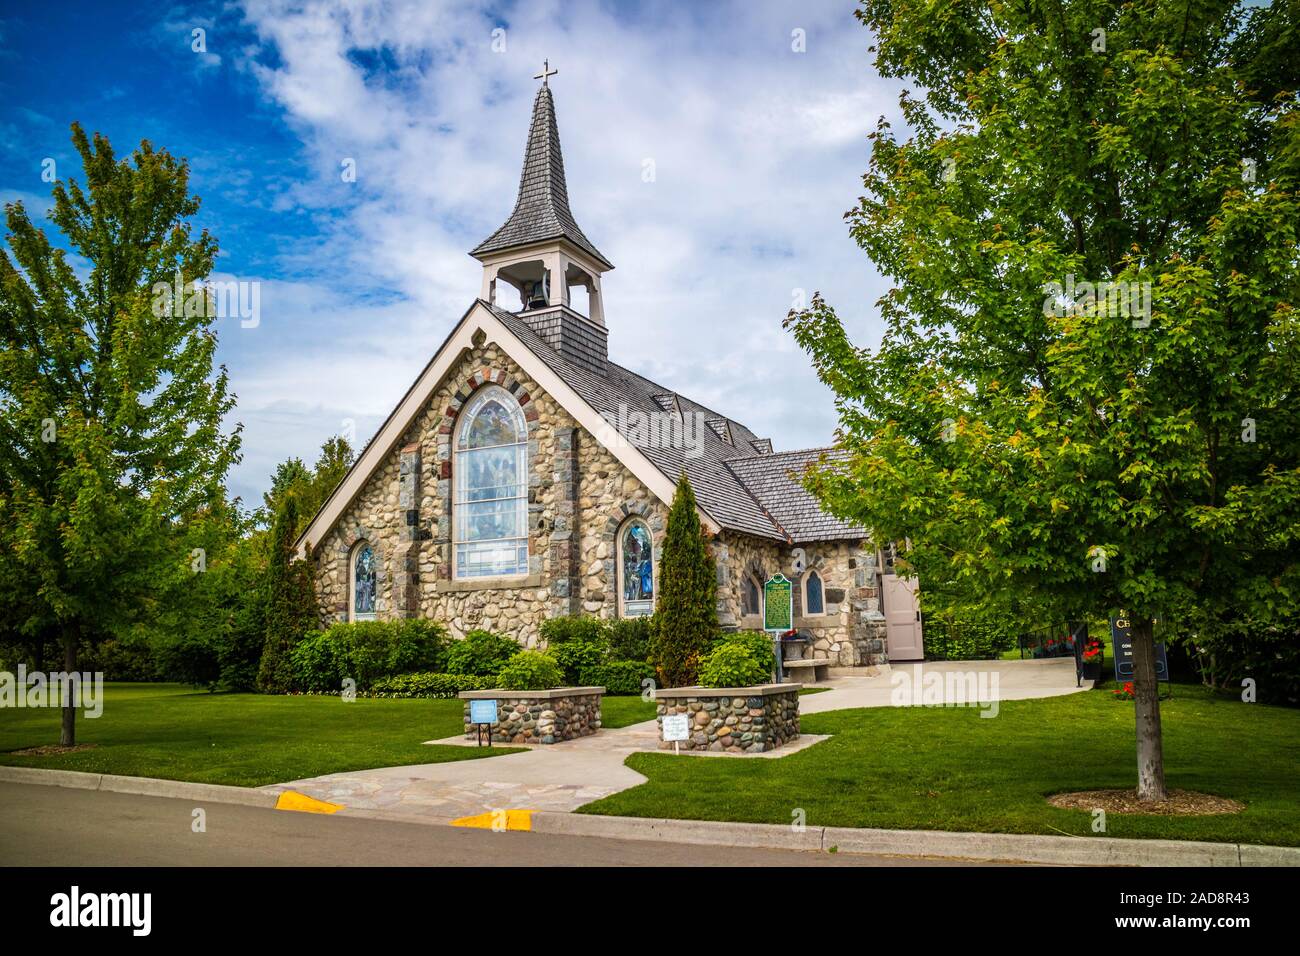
(480, 653)
(619, 678)
(576, 657)
(428, 684)
(367, 651)
(595, 652)
(576, 627)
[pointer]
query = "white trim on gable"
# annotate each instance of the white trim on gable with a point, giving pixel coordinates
(461, 339)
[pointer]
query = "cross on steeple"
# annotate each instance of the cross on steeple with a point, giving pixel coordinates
(546, 73)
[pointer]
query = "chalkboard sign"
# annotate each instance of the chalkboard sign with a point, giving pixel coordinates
(482, 711)
(1121, 639)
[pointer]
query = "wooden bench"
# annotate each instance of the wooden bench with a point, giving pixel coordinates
(808, 671)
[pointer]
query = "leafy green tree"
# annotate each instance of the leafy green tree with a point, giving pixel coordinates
(311, 486)
(111, 415)
(290, 605)
(1135, 446)
(686, 612)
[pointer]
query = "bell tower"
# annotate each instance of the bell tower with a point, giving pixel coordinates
(540, 253)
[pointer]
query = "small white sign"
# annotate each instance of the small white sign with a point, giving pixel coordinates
(677, 727)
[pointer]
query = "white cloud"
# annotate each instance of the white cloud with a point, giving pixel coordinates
(758, 151)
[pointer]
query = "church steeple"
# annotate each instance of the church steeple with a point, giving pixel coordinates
(542, 209)
(541, 251)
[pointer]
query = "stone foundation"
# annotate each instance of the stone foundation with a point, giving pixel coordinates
(733, 719)
(539, 716)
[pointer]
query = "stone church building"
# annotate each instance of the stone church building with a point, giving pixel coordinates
(525, 474)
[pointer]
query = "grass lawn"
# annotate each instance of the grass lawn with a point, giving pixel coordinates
(175, 732)
(622, 711)
(937, 769)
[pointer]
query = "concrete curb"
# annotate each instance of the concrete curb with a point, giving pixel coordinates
(991, 847)
(708, 832)
(142, 786)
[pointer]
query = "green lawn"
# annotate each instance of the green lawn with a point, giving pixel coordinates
(166, 730)
(936, 769)
(622, 711)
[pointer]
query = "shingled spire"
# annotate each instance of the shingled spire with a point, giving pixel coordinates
(542, 210)
(542, 255)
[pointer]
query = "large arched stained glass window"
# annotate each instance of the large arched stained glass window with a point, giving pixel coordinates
(363, 583)
(636, 569)
(490, 502)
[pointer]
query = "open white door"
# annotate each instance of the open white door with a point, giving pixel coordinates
(902, 618)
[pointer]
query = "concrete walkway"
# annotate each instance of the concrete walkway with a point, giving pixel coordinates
(562, 777)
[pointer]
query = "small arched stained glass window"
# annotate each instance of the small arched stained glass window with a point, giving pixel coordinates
(750, 600)
(363, 584)
(636, 570)
(814, 601)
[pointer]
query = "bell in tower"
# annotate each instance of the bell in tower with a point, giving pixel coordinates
(542, 254)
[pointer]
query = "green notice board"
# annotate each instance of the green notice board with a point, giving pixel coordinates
(778, 604)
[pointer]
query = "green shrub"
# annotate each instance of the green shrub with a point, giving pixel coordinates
(132, 659)
(629, 638)
(531, 670)
(576, 657)
(378, 649)
(738, 662)
(318, 661)
(481, 653)
(619, 678)
(756, 644)
(577, 627)
(367, 651)
(428, 684)
(970, 642)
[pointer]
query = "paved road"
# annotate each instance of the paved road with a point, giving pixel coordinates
(54, 826)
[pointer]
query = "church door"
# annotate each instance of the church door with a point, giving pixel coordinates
(902, 618)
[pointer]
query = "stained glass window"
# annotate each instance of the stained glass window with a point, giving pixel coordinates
(814, 602)
(490, 502)
(363, 584)
(750, 602)
(636, 563)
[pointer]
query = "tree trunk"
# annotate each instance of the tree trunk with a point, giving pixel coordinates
(68, 731)
(1146, 693)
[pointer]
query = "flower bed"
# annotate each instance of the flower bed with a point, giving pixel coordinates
(732, 719)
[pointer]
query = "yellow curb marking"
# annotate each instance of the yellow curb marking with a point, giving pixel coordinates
(292, 800)
(493, 820)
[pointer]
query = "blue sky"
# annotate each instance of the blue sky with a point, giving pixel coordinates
(757, 152)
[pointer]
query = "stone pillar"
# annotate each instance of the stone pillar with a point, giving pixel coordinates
(722, 561)
(566, 573)
(406, 560)
(866, 623)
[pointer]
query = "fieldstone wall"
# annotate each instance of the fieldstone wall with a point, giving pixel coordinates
(524, 719)
(851, 632)
(579, 497)
(732, 720)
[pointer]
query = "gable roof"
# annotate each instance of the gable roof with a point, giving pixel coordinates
(541, 210)
(620, 393)
(737, 485)
(775, 482)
